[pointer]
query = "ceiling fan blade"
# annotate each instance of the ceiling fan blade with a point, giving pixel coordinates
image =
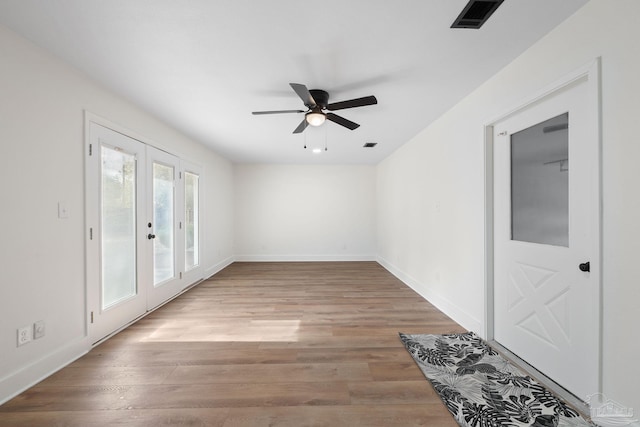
(304, 94)
(342, 121)
(351, 103)
(302, 126)
(258, 113)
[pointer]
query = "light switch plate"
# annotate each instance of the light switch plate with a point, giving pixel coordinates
(38, 329)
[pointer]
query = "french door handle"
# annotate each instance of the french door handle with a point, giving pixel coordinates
(151, 236)
(585, 266)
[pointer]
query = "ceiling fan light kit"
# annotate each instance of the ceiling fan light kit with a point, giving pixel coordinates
(317, 101)
(315, 118)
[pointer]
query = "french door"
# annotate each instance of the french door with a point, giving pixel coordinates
(163, 198)
(117, 251)
(143, 229)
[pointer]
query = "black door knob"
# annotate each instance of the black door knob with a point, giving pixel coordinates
(585, 266)
(151, 236)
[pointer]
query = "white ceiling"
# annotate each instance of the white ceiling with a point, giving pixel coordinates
(203, 66)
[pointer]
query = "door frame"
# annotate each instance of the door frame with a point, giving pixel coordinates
(591, 72)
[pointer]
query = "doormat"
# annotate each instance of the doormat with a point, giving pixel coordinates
(481, 388)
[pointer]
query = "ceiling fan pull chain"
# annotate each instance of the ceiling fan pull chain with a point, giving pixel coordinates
(325, 138)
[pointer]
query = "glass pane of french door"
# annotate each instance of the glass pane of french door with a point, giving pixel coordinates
(163, 223)
(192, 247)
(119, 243)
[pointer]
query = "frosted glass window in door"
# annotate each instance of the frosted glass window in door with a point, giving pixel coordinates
(163, 223)
(118, 239)
(191, 190)
(540, 183)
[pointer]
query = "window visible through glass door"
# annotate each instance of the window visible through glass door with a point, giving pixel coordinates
(163, 223)
(119, 210)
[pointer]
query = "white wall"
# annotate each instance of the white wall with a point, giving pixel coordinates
(292, 213)
(42, 274)
(430, 192)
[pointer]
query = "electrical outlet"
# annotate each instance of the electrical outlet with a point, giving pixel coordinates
(38, 329)
(24, 335)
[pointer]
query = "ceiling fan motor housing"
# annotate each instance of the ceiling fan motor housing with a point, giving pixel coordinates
(321, 97)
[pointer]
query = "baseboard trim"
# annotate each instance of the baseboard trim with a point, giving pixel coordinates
(218, 267)
(31, 374)
(303, 258)
(452, 310)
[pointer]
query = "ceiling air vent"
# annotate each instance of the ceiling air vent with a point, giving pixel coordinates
(476, 13)
(370, 144)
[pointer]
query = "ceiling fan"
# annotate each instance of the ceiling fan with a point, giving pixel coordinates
(317, 101)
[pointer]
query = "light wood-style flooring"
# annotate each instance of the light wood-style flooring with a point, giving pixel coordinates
(258, 344)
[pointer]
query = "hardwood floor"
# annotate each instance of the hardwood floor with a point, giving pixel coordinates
(258, 344)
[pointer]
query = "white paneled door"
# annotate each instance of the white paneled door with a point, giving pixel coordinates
(139, 246)
(546, 238)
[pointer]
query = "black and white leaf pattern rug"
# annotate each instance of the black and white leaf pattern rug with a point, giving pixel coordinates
(483, 389)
